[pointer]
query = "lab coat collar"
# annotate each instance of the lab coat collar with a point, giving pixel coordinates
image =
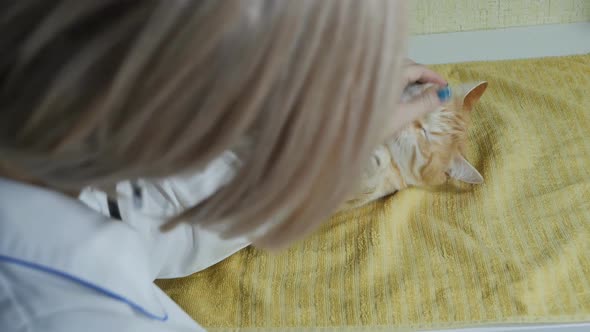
(58, 235)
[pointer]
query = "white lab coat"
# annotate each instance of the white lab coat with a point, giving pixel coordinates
(66, 266)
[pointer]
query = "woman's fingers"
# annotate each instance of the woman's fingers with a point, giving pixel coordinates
(419, 73)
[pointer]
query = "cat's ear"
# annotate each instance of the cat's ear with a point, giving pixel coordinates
(472, 92)
(462, 170)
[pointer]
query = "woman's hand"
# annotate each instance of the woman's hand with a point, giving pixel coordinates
(414, 73)
(427, 102)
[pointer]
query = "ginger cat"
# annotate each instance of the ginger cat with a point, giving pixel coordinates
(428, 152)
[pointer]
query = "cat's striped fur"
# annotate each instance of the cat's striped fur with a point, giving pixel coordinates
(428, 152)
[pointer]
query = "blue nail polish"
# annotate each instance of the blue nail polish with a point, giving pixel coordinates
(444, 94)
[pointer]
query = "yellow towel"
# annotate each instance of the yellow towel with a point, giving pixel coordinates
(515, 249)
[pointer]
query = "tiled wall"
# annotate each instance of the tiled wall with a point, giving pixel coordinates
(434, 16)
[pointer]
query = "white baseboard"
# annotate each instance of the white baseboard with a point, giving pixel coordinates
(501, 44)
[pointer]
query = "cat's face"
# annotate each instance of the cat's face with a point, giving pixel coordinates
(430, 151)
(427, 152)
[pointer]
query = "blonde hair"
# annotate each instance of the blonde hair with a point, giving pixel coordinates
(96, 92)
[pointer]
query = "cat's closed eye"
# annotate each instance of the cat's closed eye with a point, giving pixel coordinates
(425, 132)
(377, 161)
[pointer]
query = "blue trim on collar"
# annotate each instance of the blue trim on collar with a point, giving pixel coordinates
(85, 283)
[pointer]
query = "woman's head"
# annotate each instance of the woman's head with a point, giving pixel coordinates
(96, 92)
